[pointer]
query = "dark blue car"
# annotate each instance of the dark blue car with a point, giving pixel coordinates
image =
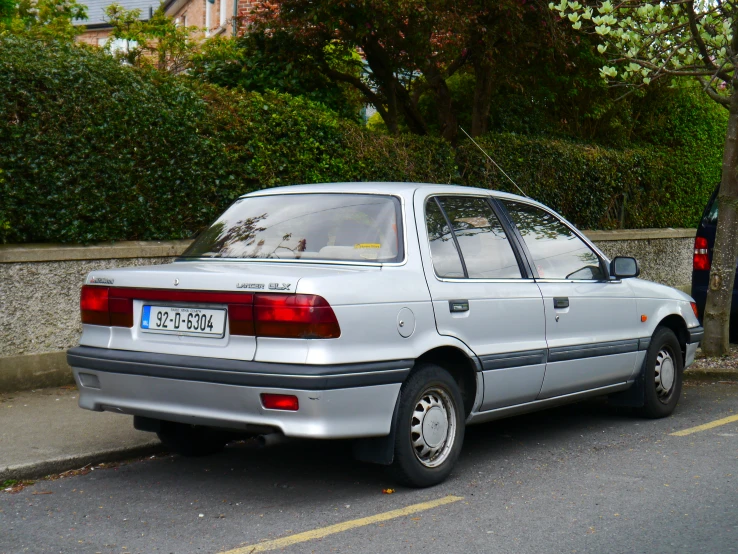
(702, 261)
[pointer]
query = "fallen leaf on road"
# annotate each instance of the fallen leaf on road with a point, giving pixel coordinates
(43, 492)
(388, 491)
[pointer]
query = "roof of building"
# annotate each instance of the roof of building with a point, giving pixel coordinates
(96, 10)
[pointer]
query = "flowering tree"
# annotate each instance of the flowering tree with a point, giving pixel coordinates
(650, 41)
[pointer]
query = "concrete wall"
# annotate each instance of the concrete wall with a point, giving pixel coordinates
(665, 255)
(40, 284)
(39, 303)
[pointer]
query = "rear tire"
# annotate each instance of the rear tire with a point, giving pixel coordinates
(662, 378)
(192, 440)
(430, 428)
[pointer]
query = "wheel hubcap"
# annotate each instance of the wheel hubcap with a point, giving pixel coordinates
(665, 373)
(433, 427)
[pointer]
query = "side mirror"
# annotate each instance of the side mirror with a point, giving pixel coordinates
(623, 267)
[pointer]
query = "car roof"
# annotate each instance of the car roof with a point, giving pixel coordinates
(405, 190)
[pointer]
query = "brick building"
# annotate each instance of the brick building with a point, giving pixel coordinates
(214, 18)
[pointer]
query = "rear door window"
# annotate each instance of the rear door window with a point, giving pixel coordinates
(470, 225)
(446, 258)
(332, 227)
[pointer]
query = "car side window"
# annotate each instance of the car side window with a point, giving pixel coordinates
(557, 252)
(485, 248)
(446, 259)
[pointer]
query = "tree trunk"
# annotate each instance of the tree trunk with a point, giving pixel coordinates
(399, 99)
(413, 118)
(391, 119)
(725, 254)
(482, 94)
(447, 121)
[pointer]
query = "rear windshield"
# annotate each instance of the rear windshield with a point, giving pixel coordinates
(335, 227)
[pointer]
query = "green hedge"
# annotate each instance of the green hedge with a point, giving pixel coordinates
(94, 151)
(595, 187)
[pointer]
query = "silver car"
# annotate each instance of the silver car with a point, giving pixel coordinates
(390, 313)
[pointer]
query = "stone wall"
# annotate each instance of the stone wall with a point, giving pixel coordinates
(665, 255)
(39, 303)
(40, 284)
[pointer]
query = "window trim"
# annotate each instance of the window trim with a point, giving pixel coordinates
(604, 261)
(453, 236)
(526, 276)
(527, 271)
(401, 213)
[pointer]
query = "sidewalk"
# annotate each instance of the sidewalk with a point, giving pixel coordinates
(44, 432)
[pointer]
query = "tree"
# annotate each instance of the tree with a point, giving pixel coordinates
(651, 41)
(42, 19)
(259, 62)
(158, 41)
(413, 47)
(391, 36)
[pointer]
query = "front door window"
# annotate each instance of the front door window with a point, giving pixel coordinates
(556, 251)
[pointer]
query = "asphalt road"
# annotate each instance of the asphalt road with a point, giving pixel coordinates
(583, 478)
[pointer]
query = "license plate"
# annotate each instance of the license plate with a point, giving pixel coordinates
(183, 321)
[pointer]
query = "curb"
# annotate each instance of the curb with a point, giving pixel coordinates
(711, 375)
(34, 371)
(43, 468)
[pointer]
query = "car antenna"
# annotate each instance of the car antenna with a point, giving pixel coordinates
(494, 162)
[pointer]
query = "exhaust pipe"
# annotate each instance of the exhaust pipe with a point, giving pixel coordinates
(270, 439)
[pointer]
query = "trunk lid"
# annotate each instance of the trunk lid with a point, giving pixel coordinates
(170, 286)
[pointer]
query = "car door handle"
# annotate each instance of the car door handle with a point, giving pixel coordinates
(561, 302)
(456, 306)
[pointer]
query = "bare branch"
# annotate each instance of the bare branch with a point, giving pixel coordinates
(357, 83)
(712, 93)
(457, 64)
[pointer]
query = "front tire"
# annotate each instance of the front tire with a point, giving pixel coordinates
(430, 428)
(191, 440)
(662, 378)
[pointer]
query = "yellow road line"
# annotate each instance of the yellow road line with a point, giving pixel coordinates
(706, 426)
(340, 527)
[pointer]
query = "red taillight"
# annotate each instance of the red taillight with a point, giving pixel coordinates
(304, 316)
(265, 315)
(105, 306)
(241, 319)
(280, 402)
(701, 260)
(121, 311)
(93, 303)
(695, 310)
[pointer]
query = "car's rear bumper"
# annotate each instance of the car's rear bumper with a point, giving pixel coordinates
(355, 400)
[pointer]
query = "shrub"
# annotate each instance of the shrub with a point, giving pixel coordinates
(592, 186)
(91, 150)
